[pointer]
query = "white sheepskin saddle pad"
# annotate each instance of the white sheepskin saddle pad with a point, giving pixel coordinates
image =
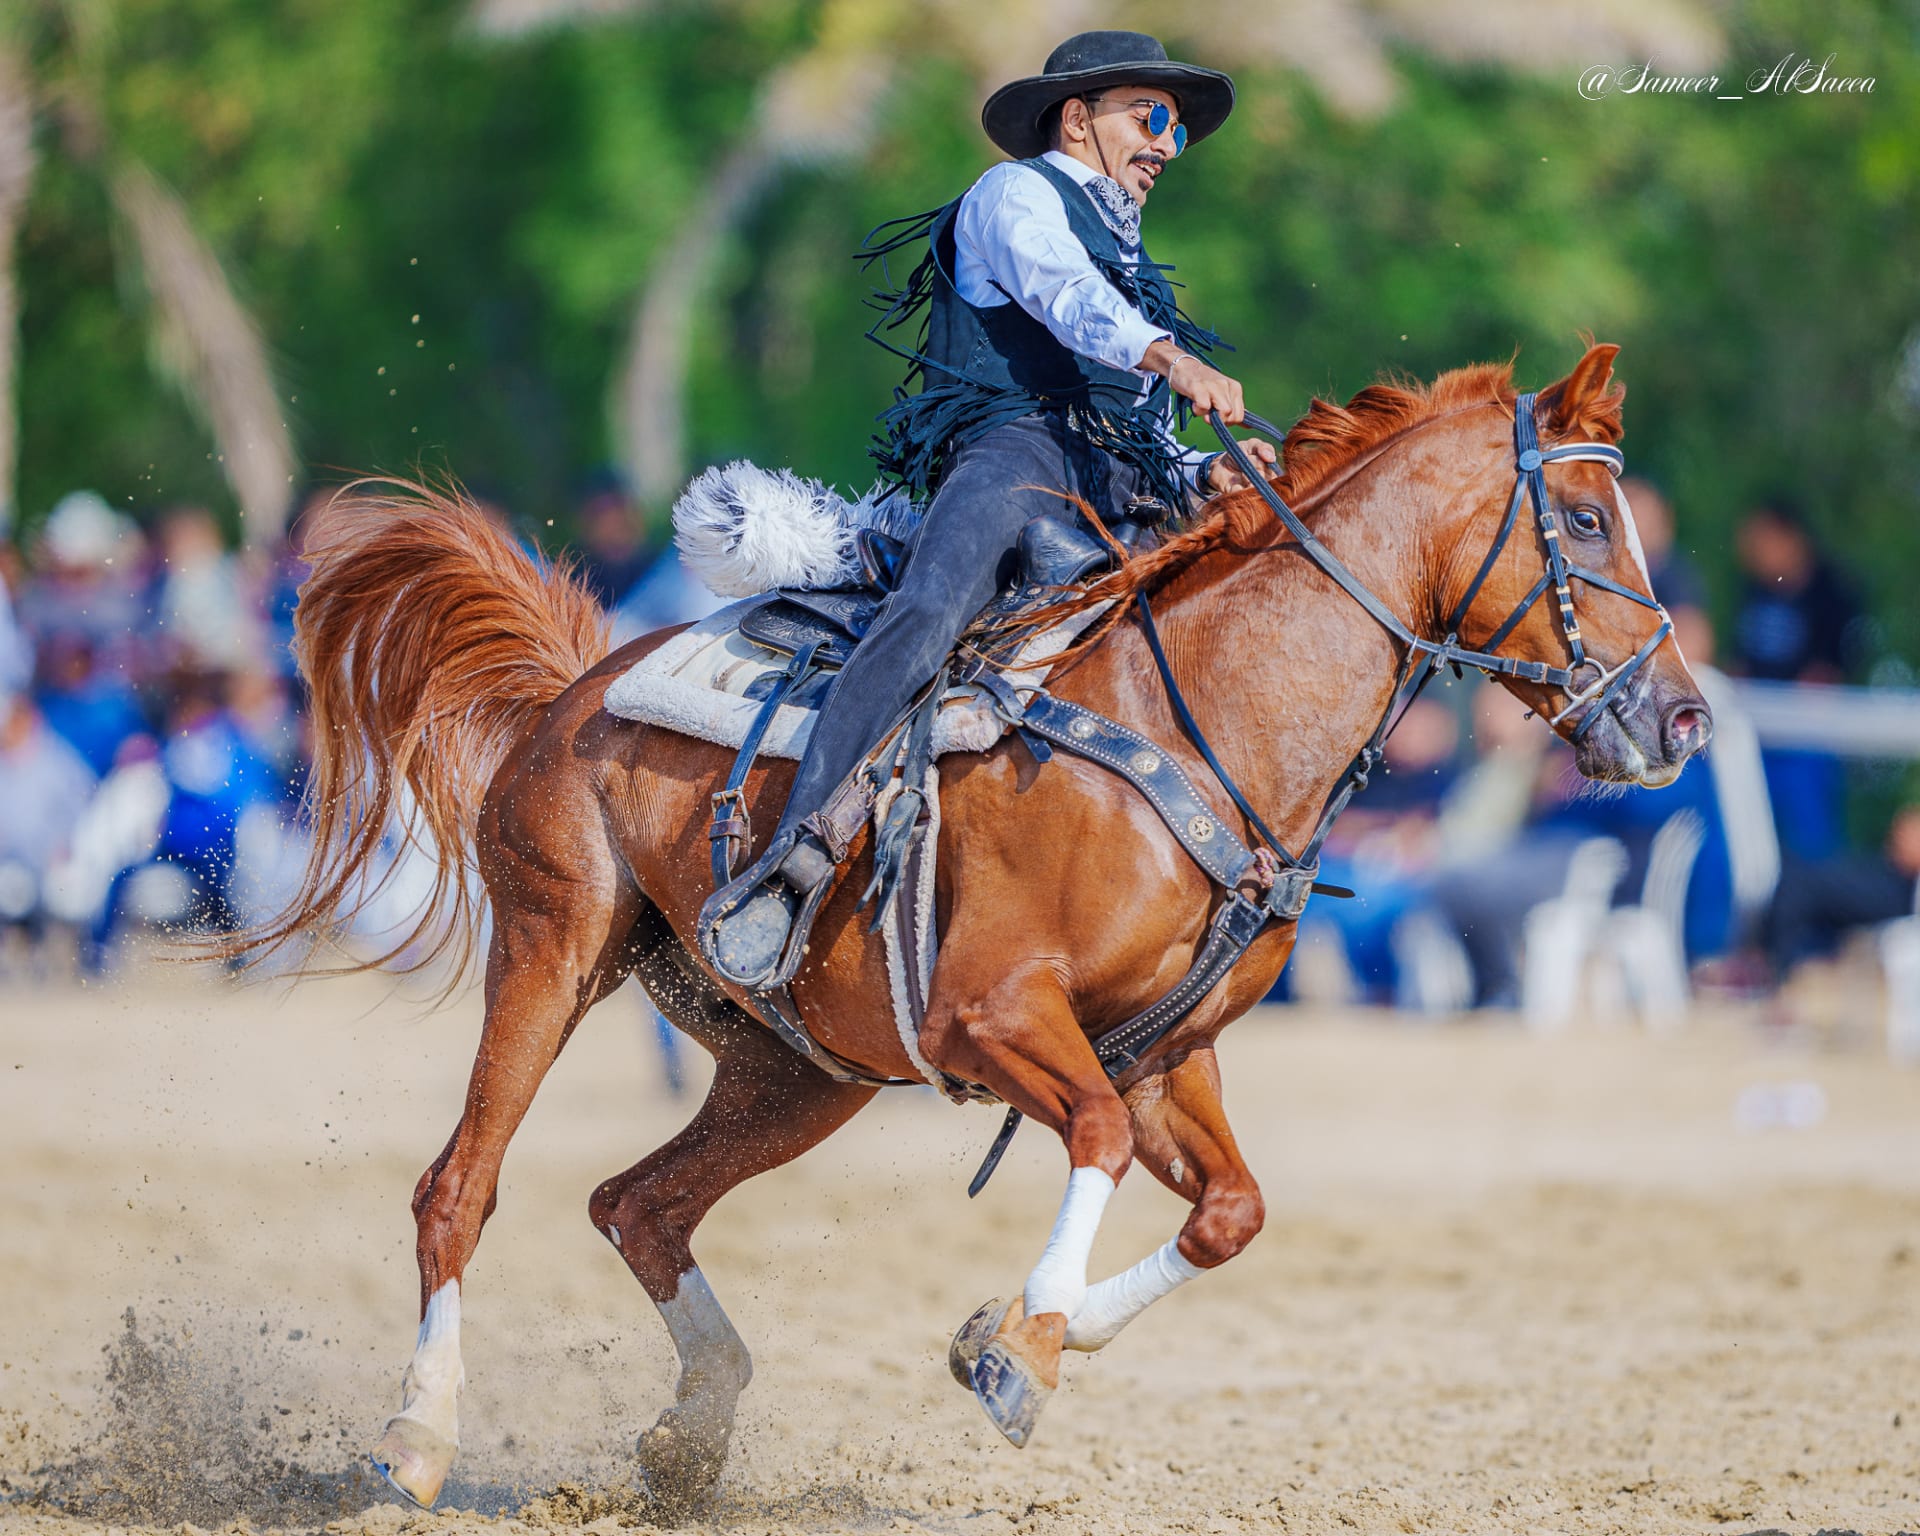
(697, 684)
(743, 531)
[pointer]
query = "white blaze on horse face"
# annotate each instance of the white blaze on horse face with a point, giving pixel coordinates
(430, 1391)
(1115, 1302)
(714, 1364)
(1059, 1281)
(1633, 536)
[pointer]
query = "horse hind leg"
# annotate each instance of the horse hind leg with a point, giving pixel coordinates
(764, 1108)
(536, 992)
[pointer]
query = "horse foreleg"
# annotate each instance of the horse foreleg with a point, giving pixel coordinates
(1023, 1042)
(1181, 1134)
(765, 1107)
(536, 993)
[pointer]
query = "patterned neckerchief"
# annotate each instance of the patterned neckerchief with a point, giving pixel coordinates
(1118, 211)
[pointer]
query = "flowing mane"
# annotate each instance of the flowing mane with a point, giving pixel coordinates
(1322, 443)
(1328, 439)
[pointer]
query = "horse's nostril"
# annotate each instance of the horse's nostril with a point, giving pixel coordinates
(1689, 728)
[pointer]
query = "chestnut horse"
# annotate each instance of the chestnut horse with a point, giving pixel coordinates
(453, 678)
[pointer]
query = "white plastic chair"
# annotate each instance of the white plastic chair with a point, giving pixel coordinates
(1560, 935)
(1647, 941)
(1900, 960)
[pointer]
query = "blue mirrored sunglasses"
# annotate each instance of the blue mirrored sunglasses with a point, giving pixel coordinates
(1157, 119)
(1158, 116)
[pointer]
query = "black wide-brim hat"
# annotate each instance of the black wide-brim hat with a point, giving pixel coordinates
(1091, 62)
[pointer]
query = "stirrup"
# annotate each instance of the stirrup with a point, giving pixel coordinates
(753, 931)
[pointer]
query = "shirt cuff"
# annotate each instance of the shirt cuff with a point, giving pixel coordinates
(1136, 335)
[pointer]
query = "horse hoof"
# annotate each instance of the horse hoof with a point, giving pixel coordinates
(414, 1459)
(1010, 1391)
(992, 1320)
(679, 1466)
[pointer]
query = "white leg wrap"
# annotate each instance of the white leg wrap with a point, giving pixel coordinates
(1059, 1281)
(714, 1364)
(1114, 1303)
(430, 1391)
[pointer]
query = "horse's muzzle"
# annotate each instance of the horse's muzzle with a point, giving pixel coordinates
(1685, 728)
(1645, 738)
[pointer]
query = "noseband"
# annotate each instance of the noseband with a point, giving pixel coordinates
(1529, 484)
(1286, 877)
(1426, 657)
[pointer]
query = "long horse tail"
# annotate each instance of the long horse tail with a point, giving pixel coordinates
(430, 643)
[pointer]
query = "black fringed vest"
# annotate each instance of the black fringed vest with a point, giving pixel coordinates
(978, 369)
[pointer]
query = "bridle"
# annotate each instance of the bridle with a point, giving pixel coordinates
(1529, 484)
(1426, 657)
(1283, 879)
(1530, 461)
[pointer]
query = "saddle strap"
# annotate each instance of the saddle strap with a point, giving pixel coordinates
(731, 831)
(769, 1009)
(894, 840)
(1210, 842)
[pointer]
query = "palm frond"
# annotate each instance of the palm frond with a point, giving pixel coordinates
(207, 341)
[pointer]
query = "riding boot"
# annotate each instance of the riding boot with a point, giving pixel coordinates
(753, 929)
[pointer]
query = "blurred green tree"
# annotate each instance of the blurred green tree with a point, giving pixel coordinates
(522, 237)
(59, 58)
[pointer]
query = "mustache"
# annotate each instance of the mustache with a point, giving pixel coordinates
(1148, 157)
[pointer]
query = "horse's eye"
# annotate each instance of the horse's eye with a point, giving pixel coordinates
(1584, 519)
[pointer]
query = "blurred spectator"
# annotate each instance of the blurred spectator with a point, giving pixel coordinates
(44, 787)
(1383, 847)
(1509, 834)
(88, 579)
(92, 708)
(95, 887)
(214, 777)
(260, 704)
(613, 552)
(1798, 618)
(1672, 575)
(201, 599)
(1502, 856)
(1819, 902)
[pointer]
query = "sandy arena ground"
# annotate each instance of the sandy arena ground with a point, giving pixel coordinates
(1506, 1285)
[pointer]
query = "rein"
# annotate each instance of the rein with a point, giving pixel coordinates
(1287, 877)
(1426, 657)
(1272, 884)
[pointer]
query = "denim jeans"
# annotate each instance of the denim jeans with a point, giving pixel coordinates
(962, 555)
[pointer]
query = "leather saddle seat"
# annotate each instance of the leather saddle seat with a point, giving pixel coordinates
(1052, 553)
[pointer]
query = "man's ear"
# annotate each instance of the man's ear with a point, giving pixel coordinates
(1073, 119)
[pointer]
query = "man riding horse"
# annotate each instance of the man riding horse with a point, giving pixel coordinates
(1052, 352)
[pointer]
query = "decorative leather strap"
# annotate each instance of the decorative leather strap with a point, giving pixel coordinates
(1235, 926)
(1209, 841)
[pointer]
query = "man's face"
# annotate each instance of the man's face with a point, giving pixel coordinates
(1117, 141)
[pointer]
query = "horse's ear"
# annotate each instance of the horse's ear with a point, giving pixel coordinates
(1584, 403)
